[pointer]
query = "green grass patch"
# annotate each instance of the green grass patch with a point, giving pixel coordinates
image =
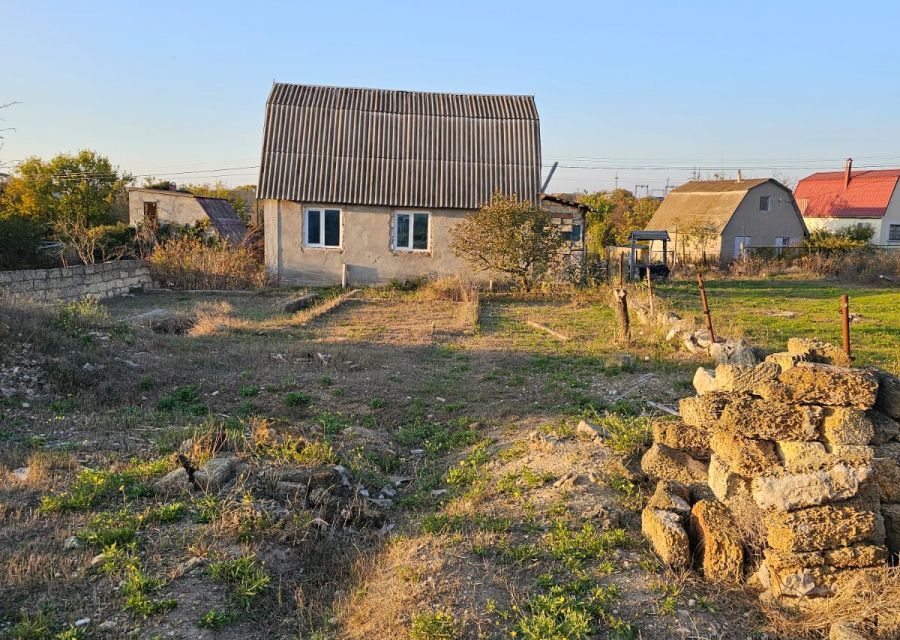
(92, 486)
(245, 576)
(434, 625)
(296, 399)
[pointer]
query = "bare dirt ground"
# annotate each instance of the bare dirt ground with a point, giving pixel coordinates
(475, 508)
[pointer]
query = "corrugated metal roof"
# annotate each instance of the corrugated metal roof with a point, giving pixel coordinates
(398, 148)
(224, 219)
(822, 195)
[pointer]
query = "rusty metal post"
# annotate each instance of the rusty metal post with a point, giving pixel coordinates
(709, 324)
(845, 313)
(650, 291)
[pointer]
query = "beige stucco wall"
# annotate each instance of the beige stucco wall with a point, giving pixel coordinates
(781, 221)
(366, 247)
(171, 207)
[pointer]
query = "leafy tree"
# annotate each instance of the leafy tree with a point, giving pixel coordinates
(68, 189)
(614, 215)
(510, 236)
(696, 234)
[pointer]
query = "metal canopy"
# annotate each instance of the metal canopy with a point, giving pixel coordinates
(639, 236)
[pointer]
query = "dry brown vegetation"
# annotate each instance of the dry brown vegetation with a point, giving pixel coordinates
(190, 263)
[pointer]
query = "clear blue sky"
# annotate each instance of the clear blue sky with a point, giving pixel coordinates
(772, 87)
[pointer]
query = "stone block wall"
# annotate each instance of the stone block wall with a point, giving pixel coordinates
(105, 280)
(786, 472)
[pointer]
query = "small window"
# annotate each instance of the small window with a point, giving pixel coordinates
(576, 233)
(411, 231)
(764, 204)
(894, 233)
(322, 228)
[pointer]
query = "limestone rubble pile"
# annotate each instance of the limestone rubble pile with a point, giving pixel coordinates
(802, 447)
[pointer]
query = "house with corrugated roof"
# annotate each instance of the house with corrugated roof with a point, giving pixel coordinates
(836, 200)
(363, 186)
(724, 219)
(173, 207)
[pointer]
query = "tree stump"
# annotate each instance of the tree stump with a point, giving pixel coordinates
(620, 297)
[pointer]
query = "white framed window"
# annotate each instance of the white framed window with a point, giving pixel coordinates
(764, 204)
(411, 230)
(322, 228)
(894, 233)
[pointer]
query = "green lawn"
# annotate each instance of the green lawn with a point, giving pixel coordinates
(744, 307)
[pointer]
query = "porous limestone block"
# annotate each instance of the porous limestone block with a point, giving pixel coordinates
(667, 537)
(718, 544)
(744, 379)
(814, 350)
(766, 420)
(725, 484)
(703, 411)
(802, 457)
(676, 434)
(785, 360)
(791, 491)
(886, 477)
(665, 463)
(846, 425)
(823, 384)
(745, 456)
(891, 516)
(213, 475)
(816, 582)
(886, 428)
(671, 496)
(823, 527)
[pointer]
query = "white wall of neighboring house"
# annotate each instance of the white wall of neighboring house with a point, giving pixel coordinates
(882, 226)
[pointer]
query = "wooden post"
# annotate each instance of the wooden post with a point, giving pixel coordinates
(621, 269)
(845, 312)
(650, 290)
(620, 297)
(709, 324)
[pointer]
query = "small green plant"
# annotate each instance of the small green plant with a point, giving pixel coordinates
(296, 399)
(245, 576)
(215, 620)
(207, 508)
(111, 528)
(436, 625)
(146, 383)
(516, 483)
(31, 627)
(91, 486)
(376, 403)
(249, 391)
(326, 381)
(183, 400)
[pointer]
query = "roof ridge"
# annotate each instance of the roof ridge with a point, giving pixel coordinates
(411, 91)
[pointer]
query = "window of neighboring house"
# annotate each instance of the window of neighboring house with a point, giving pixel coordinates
(322, 228)
(150, 215)
(780, 244)
(411, 231)
(764, 204)
(894, 233)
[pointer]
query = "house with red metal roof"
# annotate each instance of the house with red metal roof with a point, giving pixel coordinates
(839, 199)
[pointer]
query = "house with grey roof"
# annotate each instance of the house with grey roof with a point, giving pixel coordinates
(362, 186)
(170, 206)
(724, 219)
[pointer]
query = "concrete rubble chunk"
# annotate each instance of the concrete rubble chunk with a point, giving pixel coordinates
(885, 427)
(845, 425)
(665, 463)
(174, 482)
(888, 400)
(798, 490)
(590, 431)
(745, 456)
(705, 381)
(702, 411)
(815, 582)
(733, 352)
(744, 379)
(814, 350)
(667, 537)
(726, 485)
(823, 384)
(671, 496)
(766, 420)
(863, 555)
(676, 434)
(300, 302)
(718, 545)
(214, 474)
(822, 527)
(801, 457)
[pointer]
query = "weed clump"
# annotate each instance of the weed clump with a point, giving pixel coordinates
(244, 575)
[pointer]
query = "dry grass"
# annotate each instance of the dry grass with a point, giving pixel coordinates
(192, 264)
(861, 265)
(871, 604)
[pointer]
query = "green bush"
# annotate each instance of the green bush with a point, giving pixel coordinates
(20, 243)
(853, 237)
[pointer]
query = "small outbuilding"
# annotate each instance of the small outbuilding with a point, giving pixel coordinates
(724, 219)
(570, 219)
(170, 206)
